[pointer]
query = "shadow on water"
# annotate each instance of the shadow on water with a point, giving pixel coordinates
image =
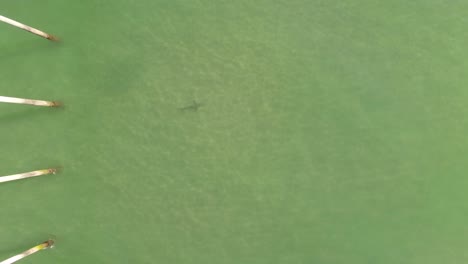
(25, 49)
(24, 114)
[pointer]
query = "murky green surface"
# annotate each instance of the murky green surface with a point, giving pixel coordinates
(329, 132)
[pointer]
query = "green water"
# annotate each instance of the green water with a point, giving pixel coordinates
(328, 131)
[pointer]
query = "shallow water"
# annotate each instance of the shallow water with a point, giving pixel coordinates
(327, 132)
